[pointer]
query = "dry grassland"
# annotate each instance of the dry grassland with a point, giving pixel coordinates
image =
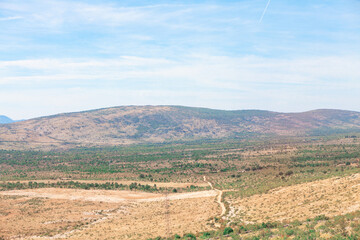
(148, 220)
(330, 197)
(100, 214)
(22, 217)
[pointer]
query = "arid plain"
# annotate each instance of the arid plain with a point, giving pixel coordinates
(255, 187)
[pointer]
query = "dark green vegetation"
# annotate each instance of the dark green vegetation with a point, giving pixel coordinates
(89, 186)
(158, 162)
(230, 164)
(81, 185)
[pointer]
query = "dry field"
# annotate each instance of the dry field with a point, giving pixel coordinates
(100, 214)
(257, 183)
(330, 197)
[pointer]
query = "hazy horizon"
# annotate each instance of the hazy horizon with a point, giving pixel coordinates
(68, 56)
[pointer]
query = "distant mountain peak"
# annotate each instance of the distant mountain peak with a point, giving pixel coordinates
(5, 119)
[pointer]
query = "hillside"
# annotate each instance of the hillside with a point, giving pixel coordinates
(141, 124)
(5, 119)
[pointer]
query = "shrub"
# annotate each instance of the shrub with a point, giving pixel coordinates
(228, 230)
(289, 232)
(321, 217)
(242, 229)
(206, 235)
(190, 236)
(353, 237)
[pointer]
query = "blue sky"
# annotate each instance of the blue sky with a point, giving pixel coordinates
(63, 56)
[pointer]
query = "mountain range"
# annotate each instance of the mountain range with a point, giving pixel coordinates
(152, 124)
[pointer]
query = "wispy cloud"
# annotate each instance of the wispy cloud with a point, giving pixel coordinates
(220, 72)
(214, 54)
(10, 18)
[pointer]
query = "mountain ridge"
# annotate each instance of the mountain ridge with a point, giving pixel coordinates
(4, 119)
(123, 125)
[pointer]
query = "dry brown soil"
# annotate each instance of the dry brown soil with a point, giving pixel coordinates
(98, 214)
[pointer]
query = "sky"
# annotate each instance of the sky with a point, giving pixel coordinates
(65, 56)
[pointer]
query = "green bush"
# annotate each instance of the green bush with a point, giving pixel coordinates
(206, 235)
(243, 229)
(228, 230)
(190, 236)
(289, 232)
(321, 217)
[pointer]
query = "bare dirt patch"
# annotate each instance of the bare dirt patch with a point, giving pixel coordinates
(22, 217)
(53, 213)
(110, 196)
(148, 220)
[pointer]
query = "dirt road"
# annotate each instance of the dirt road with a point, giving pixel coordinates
(219, 197)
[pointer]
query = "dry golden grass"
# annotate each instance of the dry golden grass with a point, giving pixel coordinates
(147, 220)
(100, 214)
(23, 217)
(331, 197)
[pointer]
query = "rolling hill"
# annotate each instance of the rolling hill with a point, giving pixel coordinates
(147, 124)
(5, 119)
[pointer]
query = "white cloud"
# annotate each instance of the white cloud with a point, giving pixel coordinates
(10, 18)
(60, 85)
(56, 14)
(208, 71)
(317, 65)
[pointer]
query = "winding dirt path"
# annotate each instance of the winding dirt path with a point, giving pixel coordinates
(219, 197)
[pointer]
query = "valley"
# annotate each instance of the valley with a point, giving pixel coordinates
(293, 187)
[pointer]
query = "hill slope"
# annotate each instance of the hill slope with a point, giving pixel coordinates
(5, 119)
(140, 124)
